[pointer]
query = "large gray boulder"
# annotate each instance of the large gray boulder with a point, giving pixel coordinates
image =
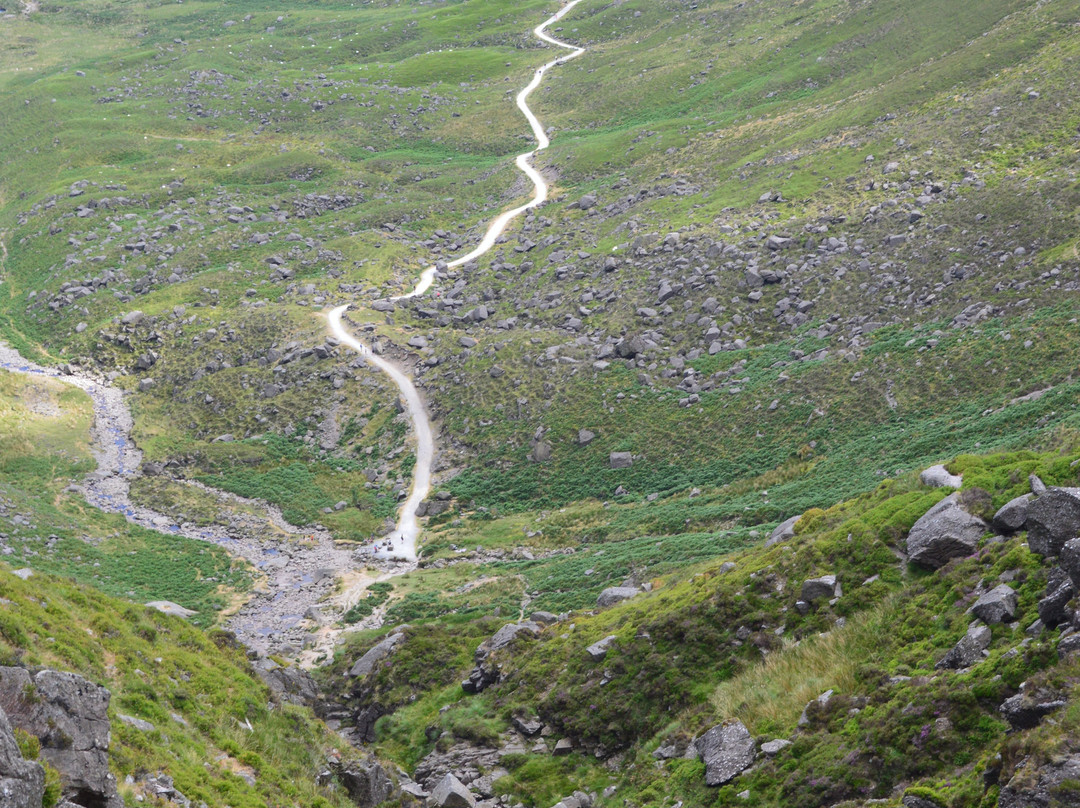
(968, 651)
(1012, 516)
(1052, 519)
(615, 594)
(68, 715)
(823, 588)
(944, 532)
(727, 750)
(996, 606)
(506, 635)
(783, 531)
(451, 793)
(598, 650)
(939, 477)
(376, 654)
(620, 460)
(22, 782)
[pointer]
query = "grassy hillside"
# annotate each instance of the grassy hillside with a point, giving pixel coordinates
(794, 253)
(45, 524)
(718, 641)
(216, 731)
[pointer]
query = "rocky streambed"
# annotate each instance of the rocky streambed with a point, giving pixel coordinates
(300, 566)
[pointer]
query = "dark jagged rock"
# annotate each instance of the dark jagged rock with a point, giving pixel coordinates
(291, 683)
(67, 714)
(1041, 786)
(1054, 607)
(1026, 709)
(365, 781)
(1012, 515)
(968, 650)
(944, 532)
(1052, 519)
(1069, 559)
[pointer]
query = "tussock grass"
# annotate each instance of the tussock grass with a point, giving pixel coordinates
(770, 697)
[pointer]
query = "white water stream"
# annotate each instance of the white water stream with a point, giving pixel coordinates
(401, 544)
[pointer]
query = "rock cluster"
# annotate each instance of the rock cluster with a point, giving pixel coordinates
(67, 714)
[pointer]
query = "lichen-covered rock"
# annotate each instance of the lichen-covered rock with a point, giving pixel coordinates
(727, 750)
(944, 532)
(22, 782)
(996, 606)
(1040, 786)
(68, 715)
(1052, 519)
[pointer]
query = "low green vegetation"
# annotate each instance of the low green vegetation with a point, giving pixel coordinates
(215, 732)
(44, 448)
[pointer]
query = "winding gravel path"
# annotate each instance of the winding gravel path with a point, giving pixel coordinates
(301, 565)
(401, 544)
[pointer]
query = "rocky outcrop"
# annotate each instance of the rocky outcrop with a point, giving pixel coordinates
(364, 780)
(376, 654)
(485, 674)
(1052, 519)
(289, 683)
(1027, 708)
(727, 750)
(1040, 786)
(67, 714)
(944, 532)
(22, 782)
